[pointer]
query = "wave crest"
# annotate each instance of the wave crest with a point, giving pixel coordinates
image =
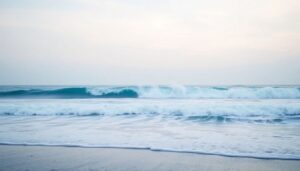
(68, 93)
(157, 92)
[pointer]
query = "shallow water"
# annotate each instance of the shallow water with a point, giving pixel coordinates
(254, 127)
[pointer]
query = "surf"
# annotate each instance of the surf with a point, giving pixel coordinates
(190, 110)
(155, 92)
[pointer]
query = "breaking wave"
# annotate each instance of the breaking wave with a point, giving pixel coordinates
(69, 93)
(158, 92)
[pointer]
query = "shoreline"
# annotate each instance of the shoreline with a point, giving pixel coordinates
(152, 149)
(29, 157)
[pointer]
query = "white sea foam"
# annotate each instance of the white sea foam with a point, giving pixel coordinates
(178, 91)
(197, 110)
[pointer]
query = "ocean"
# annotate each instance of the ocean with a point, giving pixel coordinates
(242, 121)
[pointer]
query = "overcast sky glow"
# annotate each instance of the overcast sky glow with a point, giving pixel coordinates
(150, 42)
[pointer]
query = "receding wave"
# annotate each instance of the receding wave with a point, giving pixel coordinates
(198, 119)
(158, 92)
(254, 156)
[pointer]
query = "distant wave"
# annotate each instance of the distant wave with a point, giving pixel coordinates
(158, 92)
(68, 93)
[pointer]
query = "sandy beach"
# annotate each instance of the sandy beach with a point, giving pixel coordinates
(40, 158)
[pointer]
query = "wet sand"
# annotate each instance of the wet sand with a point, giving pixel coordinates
(43, 158)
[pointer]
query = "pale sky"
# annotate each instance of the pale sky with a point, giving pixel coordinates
(149, 42)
